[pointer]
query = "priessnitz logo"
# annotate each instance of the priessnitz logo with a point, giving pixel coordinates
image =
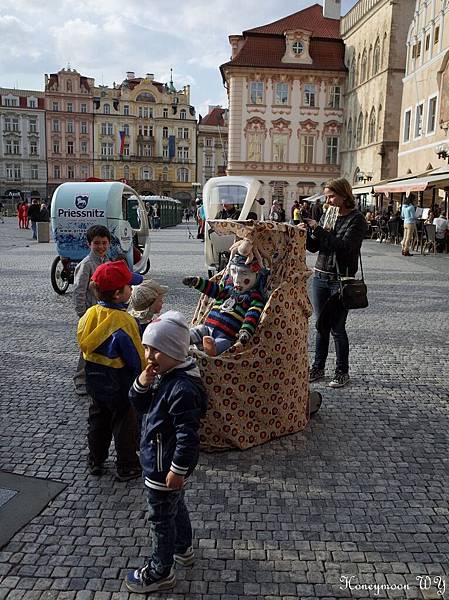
(81, 201)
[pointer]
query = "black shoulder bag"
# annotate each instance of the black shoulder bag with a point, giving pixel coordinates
(353, 292)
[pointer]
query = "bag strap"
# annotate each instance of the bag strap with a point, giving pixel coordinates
(338, 267)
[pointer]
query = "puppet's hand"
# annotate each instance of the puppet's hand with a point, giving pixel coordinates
(190, 281)
(244, 336)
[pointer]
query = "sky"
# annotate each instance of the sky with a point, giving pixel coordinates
(105, 38)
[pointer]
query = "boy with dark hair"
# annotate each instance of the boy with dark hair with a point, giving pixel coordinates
(98, 239)
(109, 338)
(171, 393)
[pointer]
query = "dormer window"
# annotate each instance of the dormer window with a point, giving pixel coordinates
(298, 48)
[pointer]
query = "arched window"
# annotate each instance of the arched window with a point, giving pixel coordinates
(165, 174)
(352, 76)
(349, 135)
(376, 57)
(182, 175)
(372, 127)
(107, 172)
(363, 66)
(359, 134)
(146, 173)
(106, 109)
(183, 114)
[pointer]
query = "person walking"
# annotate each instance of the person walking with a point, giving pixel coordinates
(409, 216)
(316, 212)
(34, 214)
(338, 250)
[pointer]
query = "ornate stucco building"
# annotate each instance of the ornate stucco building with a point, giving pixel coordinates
(145, 134)
(375, 33)
(69, 125)
(212, 144)
(23, 169)
(285, 85)
(425, 99)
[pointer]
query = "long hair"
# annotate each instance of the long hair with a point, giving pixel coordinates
(343, 188)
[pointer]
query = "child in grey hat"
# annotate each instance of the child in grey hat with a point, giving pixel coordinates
(146, 301)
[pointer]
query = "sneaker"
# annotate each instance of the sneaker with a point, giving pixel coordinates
(315, 374)
(95, 470)
(186, 559)
(339, 380)
(144, 580)
(128, 475)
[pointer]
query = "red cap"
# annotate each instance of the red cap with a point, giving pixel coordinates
(112, 276)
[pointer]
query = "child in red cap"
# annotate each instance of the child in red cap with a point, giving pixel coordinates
(110, 341)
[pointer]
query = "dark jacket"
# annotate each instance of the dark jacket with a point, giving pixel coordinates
(34, 213)
(172, 408)
(341, 245)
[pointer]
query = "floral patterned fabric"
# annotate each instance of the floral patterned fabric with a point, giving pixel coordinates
(260, 391)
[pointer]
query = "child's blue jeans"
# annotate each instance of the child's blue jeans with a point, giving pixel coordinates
(170, 528)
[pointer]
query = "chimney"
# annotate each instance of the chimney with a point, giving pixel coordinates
(149, 76)
(130, 75)
(332, 9)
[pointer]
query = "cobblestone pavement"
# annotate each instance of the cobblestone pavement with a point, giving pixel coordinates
(361, 493)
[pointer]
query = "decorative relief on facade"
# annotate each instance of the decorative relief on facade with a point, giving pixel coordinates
(255, 125)
(308, 127)
(281, 126)
(297, 47)
(332, 128)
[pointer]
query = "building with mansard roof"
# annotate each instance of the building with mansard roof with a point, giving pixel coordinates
(212, 144)
(285, 84)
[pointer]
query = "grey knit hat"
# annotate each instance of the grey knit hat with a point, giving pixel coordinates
(142, 299)
(169, 334)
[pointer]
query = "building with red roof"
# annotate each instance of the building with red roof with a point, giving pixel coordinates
(212, 144)
(285, 84)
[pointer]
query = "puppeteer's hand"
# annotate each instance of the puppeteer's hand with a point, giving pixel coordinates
(147, 376)
(174, 481)
(244, 336)
(190, 281)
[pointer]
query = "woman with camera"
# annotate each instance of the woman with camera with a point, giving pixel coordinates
(337, 238)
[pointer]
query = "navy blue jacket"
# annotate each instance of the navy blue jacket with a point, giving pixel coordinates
(172, 409)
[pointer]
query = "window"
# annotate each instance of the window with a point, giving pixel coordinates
(70, 127)
(419, 120)
(56, 172)
(209, 142)
(126, 109)
(182, 175)
(165, 174)
(307, 148)
(9, 172)
(372, 127)
(352, 74)
(8, 147)
(416, 50)
(335, 96)
(183, 114)
(255, 146)
(147, 150)
(107, 172)
(10, 102)
(17, 172)
(56, 147)
(256, 92)
(427, 41)
(349, 140)
(281, 96)
(407, 123)
(33, 126)
(32, 103)
(376, 57)
(33, 147)
(107, 149)
(7, 124)
(106, 109)
(83, 128)
(55, 125)
(359, 132)
(125, 149)
(309, 94)
(15, 124)
(183, 133)
(182, 152)
(279, 148)
(165, 113)
(165, 133)
(208, 161)
(363, 67)
(126, 129)
(431, 115)
(297, 47)
(34, 172)
(147, 174)
(69, 107)
(70, 172)
(332, 151)
(164, 151)
(84, 108)
(83, 147)
(12, 147)
(126, 172)
(436, 35)
(107, 129)
(145, 130)
(55, 106)
(84, 171)
(70, 148)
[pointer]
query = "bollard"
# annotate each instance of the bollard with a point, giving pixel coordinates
(43, 231)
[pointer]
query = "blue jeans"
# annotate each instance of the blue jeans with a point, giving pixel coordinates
(170, 528)
(222, 343)
(33, 229)
(323, 288)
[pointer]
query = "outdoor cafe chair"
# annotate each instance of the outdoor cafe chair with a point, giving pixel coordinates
(429, 239)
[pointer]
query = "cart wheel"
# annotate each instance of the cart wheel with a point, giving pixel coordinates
(315, 401)
(58, 277)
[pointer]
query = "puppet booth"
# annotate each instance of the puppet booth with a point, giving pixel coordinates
(258, 390)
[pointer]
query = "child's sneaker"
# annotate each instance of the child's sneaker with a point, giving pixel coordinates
(144, 580)
(134, 473)
(186, 559)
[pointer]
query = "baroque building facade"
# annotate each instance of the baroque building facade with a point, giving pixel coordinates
(212, 144)
(285, 84)
(424, 142)
(23, 170)
(375, 34)
(70, 127)
(145, 134)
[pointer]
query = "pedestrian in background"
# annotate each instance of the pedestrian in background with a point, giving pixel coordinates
(316, 212)
(44, 214)
(338, 254)
(409, 216)
(34, 215)
(98, 240)
(110, 341)
(169, 391)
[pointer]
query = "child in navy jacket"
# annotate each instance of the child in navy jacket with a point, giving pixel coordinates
(170, 394)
